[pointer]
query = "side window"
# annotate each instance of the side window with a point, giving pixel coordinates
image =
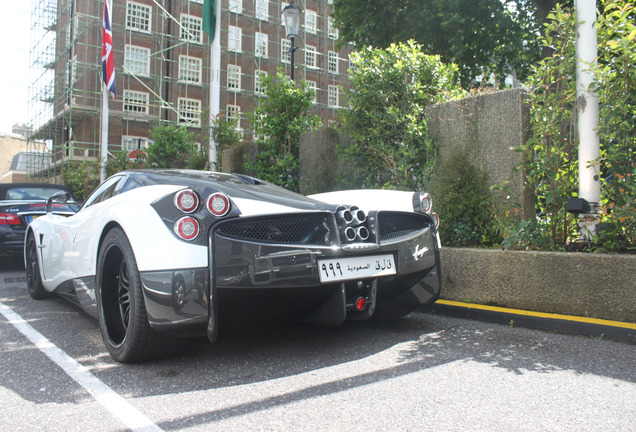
(105, 191)
(130, 185)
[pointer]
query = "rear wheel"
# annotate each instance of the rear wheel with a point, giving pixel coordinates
(34, 279)
(123, 320)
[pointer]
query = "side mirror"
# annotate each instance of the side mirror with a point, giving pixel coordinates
(59, 197)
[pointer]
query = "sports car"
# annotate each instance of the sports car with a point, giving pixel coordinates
(20, 203)
(155, 254)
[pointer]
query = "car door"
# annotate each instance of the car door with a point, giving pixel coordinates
(62, 259)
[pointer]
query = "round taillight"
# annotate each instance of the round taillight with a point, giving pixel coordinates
(187, 228)
(436, 219)
(218, 204)
(187, 201)
(426, 202)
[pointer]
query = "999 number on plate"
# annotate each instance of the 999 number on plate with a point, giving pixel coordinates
(341, 269)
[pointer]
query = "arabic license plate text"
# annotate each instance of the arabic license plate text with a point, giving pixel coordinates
(340, 269)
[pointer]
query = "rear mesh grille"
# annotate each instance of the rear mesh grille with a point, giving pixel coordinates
(394, 225)
(305, 229)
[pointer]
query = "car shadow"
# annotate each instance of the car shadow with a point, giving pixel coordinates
(279, 351)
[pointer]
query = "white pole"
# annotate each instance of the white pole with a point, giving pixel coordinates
(215, 84)
(587, 104)
(104, 133)
(589, 149)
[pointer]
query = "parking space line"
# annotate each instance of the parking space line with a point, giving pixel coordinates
(107, 397)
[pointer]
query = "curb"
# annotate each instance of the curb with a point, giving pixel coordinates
(566, 324)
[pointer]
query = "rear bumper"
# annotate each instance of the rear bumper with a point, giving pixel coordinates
(254, 282)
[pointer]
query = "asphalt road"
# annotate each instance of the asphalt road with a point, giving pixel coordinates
(424, 372)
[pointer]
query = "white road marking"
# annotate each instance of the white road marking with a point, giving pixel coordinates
(108, 398)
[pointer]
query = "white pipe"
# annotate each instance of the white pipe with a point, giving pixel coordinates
(587, 102)
(215, 84)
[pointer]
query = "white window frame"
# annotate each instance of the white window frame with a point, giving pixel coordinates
(311, 57)
(332, 62)
(285, 46)
(312, 85)
(235, 34)
(262, 10)
(333, 96)
(233, 112)
(190, 69)
(191, 28)
(136, 102)
(311, 22)
(332, 31)
(258, 87)
(261, 45)
(131, 143)
(189, 111)
(138, 17)
(137, 60)
(235, 6)
(233, 78)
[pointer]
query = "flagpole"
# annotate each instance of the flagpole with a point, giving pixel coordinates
(104, 134)
(215, 83)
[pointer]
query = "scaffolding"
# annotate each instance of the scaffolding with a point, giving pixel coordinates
(162, 64)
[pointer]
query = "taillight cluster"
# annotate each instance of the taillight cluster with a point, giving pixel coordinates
(9, 219)
(426, 206)
(188, 201)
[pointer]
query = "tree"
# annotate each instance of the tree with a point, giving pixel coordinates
(391, 89)
(173, 146)
(277, 122)
(480, 36)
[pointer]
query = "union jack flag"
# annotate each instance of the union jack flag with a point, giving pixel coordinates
(108, 59)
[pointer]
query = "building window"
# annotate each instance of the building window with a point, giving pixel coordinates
(233, 113)
(310, 57)
(191, 29)
(189, 112)
(130, 143)
(137, 60)
(285, 46)
(260, 45)
(189, 69)
(138, 17)
(312, 85)
(332, 97)
(234, 38)
(135, 102)
(311, 21)
(236, 6)
(259, 87)
(332, 62)
(262, 9)
(332, 31)
(234, 77)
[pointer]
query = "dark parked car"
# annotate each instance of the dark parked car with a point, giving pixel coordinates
(20, 203)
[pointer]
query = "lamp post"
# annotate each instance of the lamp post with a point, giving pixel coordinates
(291, 15)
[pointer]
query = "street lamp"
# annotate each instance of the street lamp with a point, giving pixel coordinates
(291, 15)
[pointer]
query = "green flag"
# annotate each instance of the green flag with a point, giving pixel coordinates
(209, 17)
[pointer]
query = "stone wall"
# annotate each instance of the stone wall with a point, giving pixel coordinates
(488, 128)
(588, 285)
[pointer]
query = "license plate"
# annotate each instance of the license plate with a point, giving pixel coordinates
(340, 269)
(31, 218)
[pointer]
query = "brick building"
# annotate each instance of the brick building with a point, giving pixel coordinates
(163, 68)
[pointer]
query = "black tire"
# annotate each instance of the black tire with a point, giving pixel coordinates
(123, 321)
(34, 279)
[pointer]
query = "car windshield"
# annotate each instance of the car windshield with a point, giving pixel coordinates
(31, 193)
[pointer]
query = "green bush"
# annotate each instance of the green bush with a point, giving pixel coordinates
(462, 200)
